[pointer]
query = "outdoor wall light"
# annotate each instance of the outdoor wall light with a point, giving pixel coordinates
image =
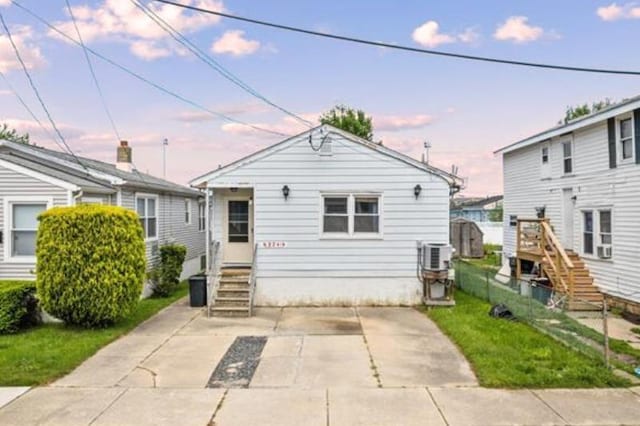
(417, 190)
(285, 191)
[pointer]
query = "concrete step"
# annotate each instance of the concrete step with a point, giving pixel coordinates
(230, 311)
(235, 271)
(240, 302)
(233, 286)
(234, 279)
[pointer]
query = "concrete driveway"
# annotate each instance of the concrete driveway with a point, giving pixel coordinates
(337, 366)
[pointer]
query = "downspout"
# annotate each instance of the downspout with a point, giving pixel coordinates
(207, 232)
(76, 196)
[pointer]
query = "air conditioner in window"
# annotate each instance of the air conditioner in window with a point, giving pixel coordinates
(436, 257)
(604, 251)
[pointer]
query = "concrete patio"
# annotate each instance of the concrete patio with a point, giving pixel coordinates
(337, 366)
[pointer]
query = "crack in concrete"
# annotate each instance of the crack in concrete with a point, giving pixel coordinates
(535, 394)
(108, 406)
(373, 366)
(218, 407)
(150, 371)
(444, 419)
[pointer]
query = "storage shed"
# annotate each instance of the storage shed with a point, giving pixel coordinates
(466, 238)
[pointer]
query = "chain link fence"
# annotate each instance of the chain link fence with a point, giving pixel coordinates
(546, 310)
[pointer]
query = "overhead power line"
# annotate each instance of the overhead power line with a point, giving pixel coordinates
(37, 93)
(144, 79)
(216, 66)
(401, 47)
(29, 110)
(92, 71)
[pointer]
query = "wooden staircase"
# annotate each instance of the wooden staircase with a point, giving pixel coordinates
(233, 298)
(583, 295)
(566, 271)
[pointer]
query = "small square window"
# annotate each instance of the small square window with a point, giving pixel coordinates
(513, 220)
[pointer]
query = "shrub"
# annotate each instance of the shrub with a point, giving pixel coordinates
(165, 277)
(18, 306)
(90, 263)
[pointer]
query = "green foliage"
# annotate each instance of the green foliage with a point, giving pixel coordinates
(18, 306)
(578, 111)
(165, 277)
(497, 214)
(350, 120)
(90, 263)
(12, 135)
(41, 354)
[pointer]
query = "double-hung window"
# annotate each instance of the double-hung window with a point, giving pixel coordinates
(605, 227)
(147, 208)
(351, 215)
(187, 211)
(201, 216)
(567, 157)
(597, 232)
(22, 228)
(587, 232)
(625, 137)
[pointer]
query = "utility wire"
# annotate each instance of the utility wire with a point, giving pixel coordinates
(143, 79)
(29, 110)
(37, 93)
(219, 68)
(401, 47)
(93, 74)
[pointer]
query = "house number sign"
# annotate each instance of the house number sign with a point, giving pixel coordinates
(274, 244)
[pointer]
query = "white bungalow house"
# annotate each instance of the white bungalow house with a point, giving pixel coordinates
(586, 176)
(33, 179)
(325, 217)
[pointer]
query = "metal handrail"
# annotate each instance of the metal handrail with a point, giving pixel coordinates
(252, 278)
(212, 278)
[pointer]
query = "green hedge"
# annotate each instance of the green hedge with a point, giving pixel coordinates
(18, 306)
(165, 277)
(90, 263)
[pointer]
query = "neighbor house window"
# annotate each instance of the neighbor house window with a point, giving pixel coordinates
(146, 206)
(23, 227)
(567, 156)
(587, 232)
(187, 211)
(351, 215)
(625, 134)
(201, 216)
(545, 155)
(605, 227)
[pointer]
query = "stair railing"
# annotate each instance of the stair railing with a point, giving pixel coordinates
(536, 237)
(252, 278)
(213, 279)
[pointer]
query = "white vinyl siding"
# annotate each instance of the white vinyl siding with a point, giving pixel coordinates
(596, 187)
(352, 169)
(17, 187)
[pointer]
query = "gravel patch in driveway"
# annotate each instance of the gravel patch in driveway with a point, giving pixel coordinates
(238, 365)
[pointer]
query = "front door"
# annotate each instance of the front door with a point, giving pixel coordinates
(567, 218)
(238, 230)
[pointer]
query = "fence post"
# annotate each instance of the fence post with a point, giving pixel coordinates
(486, 278)
(605, 330)
(529, 299)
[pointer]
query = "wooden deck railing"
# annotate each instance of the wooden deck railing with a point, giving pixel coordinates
(535, 240)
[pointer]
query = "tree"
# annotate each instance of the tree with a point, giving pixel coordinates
(349, 119)
(578, 111)
(13, 136)
(496, 215)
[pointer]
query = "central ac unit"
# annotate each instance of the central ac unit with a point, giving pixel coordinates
(436, 257)
(604, 251)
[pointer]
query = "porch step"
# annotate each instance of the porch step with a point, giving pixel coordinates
(230, 311)
(239, 302)
(232, 293)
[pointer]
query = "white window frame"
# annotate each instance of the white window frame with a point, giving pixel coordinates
(188, 219)
(545, 166)
(619, 146)
(350, 234)
(570, 157)
(597, 234)
(8, 213)
(157, 217)
(202, 216)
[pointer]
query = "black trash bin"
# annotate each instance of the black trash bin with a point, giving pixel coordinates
(197, 290)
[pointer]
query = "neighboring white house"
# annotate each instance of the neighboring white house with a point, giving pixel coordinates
(587, 176)
(33, 179)
(335, 218)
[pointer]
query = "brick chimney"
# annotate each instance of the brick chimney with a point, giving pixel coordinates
(124, 158)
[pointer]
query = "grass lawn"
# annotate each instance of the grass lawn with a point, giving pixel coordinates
(44, 353)
(509, 354)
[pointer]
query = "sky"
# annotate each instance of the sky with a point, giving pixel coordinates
(465, 110)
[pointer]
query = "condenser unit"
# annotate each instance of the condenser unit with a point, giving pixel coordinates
(436, 257)
(604, 251)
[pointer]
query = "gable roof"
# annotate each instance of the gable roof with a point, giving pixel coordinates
(326, 129)
(90, 175)
(587, 120)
